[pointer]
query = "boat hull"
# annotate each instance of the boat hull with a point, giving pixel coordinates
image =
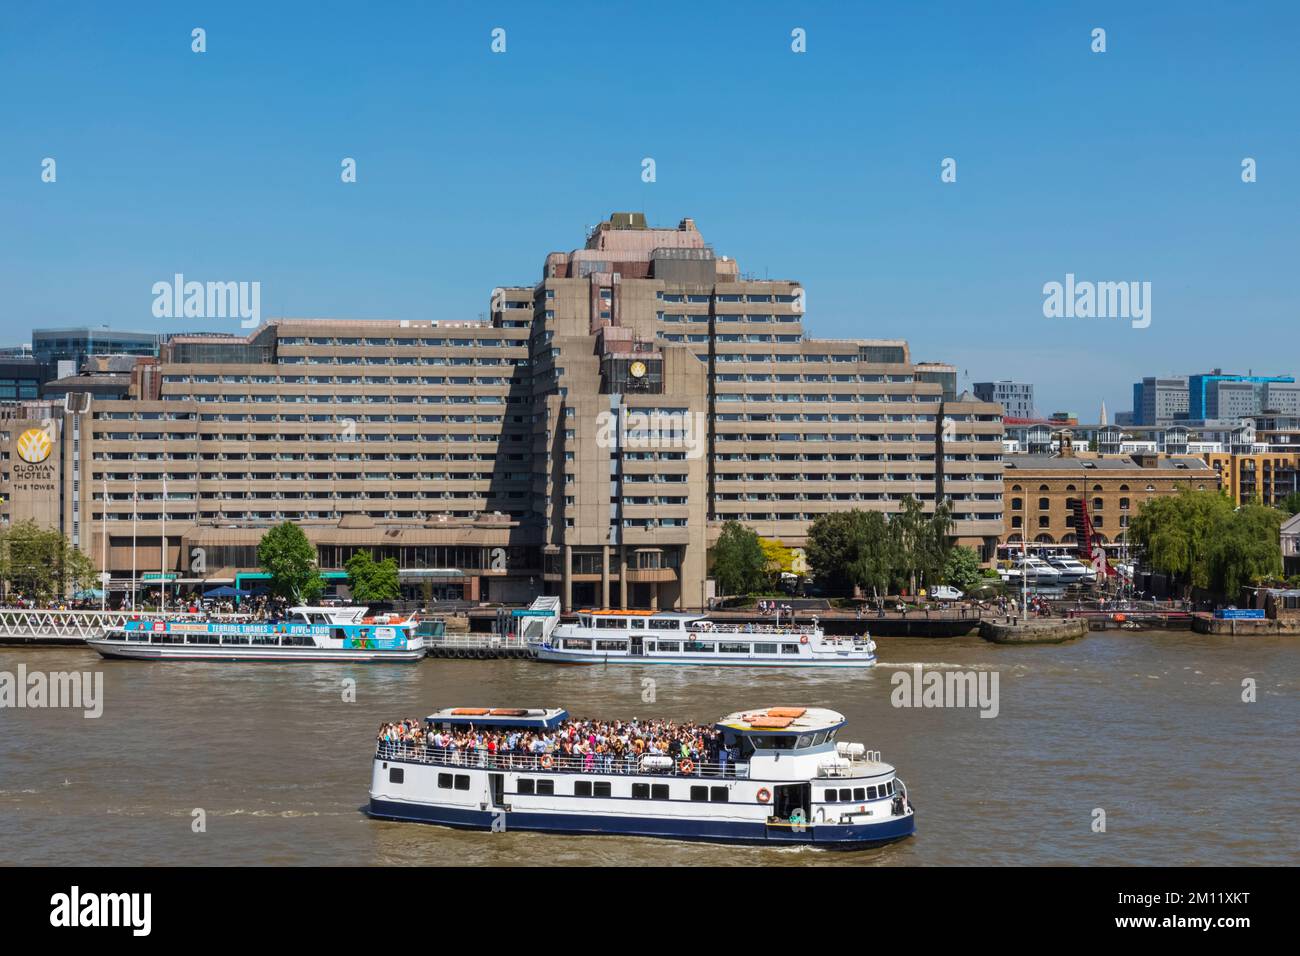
(141, 651)
(553, 656)
(838, 836)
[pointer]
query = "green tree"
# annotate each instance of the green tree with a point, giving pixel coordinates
(739, 565)
(1175, 533)
(872, 567)
(833, 545)
(41, 563)
(1245, 549)
(1291, 503)
(922, 541)
(290, 559)
(962, 569)
(1201, 541)
(373, 582)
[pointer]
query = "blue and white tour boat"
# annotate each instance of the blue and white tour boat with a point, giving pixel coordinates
(669, 637)
(775, 776)
(307, 634)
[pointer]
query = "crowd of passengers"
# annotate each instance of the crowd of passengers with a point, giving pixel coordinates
(587, 745)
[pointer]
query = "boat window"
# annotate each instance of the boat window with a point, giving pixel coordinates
(659, 791)
(665, 624)
(611, 645)
(636, 624)
(575, 644)
(718, 794)
(396, 775)
(819, 738)
(674, 647)
(871, 793)
(462, 781)
(804, 741)
(546, 788)
(700, 794)
(732, 648)
(582, 788)
(859, 793)
(770, 742)
(697, 647)
(640, 791)
(764, 648)
(889, 788)
(601, 788)
(789, 648)
(527, 786)
(829, 796)
(846, 795)
(444, 781)
(586, 620)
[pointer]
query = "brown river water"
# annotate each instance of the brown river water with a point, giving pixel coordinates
(1150, 727)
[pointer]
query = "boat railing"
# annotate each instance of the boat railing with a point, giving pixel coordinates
(644, 765)
(777, 629)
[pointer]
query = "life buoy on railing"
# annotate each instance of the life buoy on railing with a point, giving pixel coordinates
(547, 761)
(803, 639)
(764, 795)
(686, 767)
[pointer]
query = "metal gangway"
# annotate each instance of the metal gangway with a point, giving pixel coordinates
(48, 626)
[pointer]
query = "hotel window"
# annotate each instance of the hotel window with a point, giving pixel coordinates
(1043, 504)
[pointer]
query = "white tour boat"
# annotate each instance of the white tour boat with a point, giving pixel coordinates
(307, 634)
(669, 637)
(773, 776)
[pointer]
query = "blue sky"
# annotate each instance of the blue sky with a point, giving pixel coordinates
(822, 167)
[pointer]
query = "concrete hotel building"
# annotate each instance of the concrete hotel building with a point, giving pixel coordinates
(589, 439)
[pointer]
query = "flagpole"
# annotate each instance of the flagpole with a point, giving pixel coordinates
(103, 548)
(162, 604)
(135, 516)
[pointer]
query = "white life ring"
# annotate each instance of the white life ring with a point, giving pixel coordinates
(764, 795)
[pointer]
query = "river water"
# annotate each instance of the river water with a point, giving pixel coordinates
(1149, 727)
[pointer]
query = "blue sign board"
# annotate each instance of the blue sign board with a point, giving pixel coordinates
(1240, 614)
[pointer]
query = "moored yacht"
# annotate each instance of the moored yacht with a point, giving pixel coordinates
(307, 634)
(1035, 571)
(666, 637)
(772, 776)
(1070, 568)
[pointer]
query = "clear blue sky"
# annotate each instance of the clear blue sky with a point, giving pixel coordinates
(822, 167)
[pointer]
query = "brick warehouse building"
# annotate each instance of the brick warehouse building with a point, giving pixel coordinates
(587, 439)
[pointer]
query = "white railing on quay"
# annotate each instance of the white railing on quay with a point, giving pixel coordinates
(34, 623)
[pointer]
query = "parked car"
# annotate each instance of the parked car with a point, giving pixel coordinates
(945, 592)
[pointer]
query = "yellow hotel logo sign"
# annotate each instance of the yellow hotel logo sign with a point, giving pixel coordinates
(34, 446)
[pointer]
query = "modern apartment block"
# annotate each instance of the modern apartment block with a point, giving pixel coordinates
(1016, 398)
(1216, 395)
(588, 439)
(1158, 401)
(65, 351)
